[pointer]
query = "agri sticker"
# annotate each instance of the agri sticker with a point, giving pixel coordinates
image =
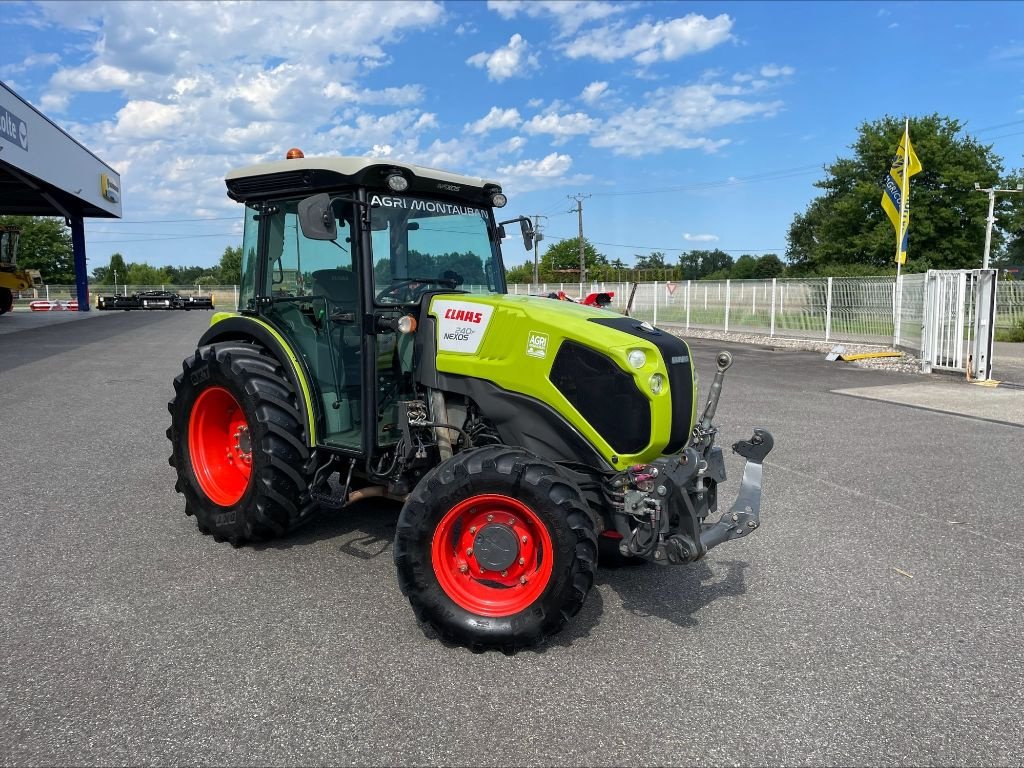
(537, 344)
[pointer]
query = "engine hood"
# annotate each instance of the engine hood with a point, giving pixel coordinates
(541, 348)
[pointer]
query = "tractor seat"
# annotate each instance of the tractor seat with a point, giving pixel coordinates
(337, 285)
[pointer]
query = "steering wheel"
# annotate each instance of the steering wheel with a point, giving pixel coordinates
(409, 290)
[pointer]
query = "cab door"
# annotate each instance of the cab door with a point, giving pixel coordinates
(313, 299)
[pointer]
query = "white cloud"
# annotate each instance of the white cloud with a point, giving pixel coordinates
(533, 174)
(699, 238)
(494, 120)
(570, 15)
(679, 118)
(148, 120)
(401, 96)
(593, 92)
(774, 70)
(95, 78)
(230, 84)
(648, 43)
(561, 127)
(513, 60)
(551, 166)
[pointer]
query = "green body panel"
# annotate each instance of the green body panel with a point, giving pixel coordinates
(300, 376)
(518, 347)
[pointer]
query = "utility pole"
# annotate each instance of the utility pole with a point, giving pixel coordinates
(579, 198)
(991, 191)
(537, 237)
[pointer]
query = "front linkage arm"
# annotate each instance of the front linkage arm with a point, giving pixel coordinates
(666, 504)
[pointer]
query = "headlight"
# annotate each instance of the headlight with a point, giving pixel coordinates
(657, 381)
(397, 182)
(637, 358)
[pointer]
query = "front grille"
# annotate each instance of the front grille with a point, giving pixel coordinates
(676, 354)
(605, 395)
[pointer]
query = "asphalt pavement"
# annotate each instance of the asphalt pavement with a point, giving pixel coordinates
(875, 618)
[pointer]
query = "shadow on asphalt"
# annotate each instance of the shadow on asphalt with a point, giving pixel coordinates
(366, 531)
(676, 593)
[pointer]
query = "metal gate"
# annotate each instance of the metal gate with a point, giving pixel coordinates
(959, 321)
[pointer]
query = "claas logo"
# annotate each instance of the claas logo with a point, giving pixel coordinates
(465, 315)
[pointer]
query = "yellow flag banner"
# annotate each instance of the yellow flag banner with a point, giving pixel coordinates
(896, 192)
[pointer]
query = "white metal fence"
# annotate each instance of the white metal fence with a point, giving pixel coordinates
(853, 309)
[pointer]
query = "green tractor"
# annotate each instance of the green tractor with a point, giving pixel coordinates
(376, 353)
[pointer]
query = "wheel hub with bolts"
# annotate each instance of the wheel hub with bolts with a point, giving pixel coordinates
(496, 547)
(492, 555)
(243, 445)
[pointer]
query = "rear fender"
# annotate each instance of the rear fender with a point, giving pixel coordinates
(230, 327)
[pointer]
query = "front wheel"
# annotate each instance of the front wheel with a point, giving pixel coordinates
(238, 444)
(6, 300)
(495, 549)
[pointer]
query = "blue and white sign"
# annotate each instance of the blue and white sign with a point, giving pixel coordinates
(14, 129)
(35, 145)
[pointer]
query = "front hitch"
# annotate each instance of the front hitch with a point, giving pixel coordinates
(745, 515)
(665, 506)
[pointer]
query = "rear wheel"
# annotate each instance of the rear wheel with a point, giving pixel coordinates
(6, 300)
(495, 549)
(239, 446)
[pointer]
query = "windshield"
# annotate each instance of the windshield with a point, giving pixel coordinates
(422, 244)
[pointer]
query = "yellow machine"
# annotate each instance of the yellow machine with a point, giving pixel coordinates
(11, 278)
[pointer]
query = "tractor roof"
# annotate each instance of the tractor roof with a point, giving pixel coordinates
(314, 174)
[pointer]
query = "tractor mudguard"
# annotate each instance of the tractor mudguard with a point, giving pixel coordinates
(226, 326)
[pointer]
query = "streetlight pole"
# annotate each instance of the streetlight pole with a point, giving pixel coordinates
(991, 191)
(115, 282)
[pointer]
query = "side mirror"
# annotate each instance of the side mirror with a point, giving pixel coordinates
(316, 218)
(527, 228)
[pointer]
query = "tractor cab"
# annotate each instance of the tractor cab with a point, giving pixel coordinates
(338, 254)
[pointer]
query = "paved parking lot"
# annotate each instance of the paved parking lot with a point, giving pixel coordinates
(875, 618)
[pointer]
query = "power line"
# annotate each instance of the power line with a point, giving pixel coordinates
(1001, 125)
(675, 248)
(170, 221)
(154, 239)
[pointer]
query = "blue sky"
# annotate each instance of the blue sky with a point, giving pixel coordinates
(690, 125)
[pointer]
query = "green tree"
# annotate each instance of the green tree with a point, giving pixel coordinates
(1011, 223)
(561, 258)
(144, 274)
(521, 274)
(701, 264)
(744, 268)
(45, 244)
(847, 226)
(230, 268)
(116, 269)
(769, 266)
(656, 260)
